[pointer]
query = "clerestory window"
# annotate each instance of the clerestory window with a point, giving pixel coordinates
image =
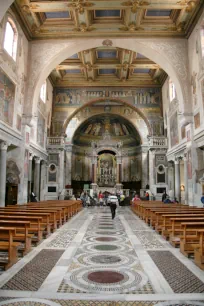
(172, 90)
(43, 92)
(11, 38)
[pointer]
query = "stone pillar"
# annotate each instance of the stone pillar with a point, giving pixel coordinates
(43, 180)
(186, 178)
(151, 168)
(94, 169)
(177, 180)
(3, 153)
(68, 156)
(145, 166)
(30, 174)
(61, 171)
(37, 178)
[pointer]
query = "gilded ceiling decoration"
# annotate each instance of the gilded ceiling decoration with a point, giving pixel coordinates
(108, 66)
(116, 18)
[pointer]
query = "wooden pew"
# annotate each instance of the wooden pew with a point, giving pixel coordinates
(9, 246)
(190, 240)
(31, 220)
(175, 231)
(36, 228)
(199, 252)
(23, 237)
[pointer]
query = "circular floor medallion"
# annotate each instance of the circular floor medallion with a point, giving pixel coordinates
(105, 247)
(105, 277)
(110, 259)
(105, 239)
(105, 227)
(109, 233)
(106, 280)
(105, 259)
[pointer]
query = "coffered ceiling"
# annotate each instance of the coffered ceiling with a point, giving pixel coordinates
(46, 19)
(107, 66)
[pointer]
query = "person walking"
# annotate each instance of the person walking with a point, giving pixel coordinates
(113, 200)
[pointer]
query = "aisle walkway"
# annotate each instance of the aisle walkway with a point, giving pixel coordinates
(94, 260)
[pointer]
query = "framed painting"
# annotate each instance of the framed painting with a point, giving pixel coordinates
(7, 97)
(174, 130)
(197, 120)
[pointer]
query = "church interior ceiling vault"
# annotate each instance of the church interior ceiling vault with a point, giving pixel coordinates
(108, 66)
(98, 18)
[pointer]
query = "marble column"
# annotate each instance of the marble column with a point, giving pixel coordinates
(37, 178)
(145, 166)
(94, 169)
(151, 168)
(68, 174)
(61, 171)
(3, 153)
(177, 180)
(186, 178)
(30, 174)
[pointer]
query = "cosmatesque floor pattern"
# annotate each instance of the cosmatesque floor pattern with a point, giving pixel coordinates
(94, 260)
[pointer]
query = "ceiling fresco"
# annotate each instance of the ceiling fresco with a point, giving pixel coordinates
(77, 18)
(108, 66)
(117, 127)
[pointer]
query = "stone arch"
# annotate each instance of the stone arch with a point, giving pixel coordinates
(170, 54)
(143, 136)
(5, 4)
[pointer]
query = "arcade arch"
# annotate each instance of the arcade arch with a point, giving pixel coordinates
(121, 108)
(171, 58)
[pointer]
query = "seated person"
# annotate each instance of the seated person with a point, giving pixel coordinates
(167, 200)
(136, 198)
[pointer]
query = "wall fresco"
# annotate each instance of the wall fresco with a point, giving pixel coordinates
(143, 97)
(7, 97)
(41, 130)
(174, 130)
(197, 120)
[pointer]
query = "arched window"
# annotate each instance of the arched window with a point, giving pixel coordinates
(11, 38)
(202, 41)
(172, 90)
(43, 92)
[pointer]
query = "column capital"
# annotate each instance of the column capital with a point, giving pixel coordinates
(31, 156)
(4, 146)
(37, 160)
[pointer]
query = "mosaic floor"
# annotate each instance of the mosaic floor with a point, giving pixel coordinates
(94, 260)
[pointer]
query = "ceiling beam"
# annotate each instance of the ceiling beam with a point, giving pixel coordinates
(56, 6)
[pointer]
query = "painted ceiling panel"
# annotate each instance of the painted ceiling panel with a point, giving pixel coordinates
(107, 71)
(53, 15)
(70, 71)
(107, 54)
(158, 13)
(144, 70)
(140, 55)
(74, 56)
(107, 13)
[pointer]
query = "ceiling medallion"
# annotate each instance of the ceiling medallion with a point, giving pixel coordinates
(107, 43)
(131, 28)
(83, 28)
(80, 5)
(135, 4)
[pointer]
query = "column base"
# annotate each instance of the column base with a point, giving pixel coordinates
(118, 187)
(94, 186)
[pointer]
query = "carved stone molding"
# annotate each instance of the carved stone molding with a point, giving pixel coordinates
(4, 146)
